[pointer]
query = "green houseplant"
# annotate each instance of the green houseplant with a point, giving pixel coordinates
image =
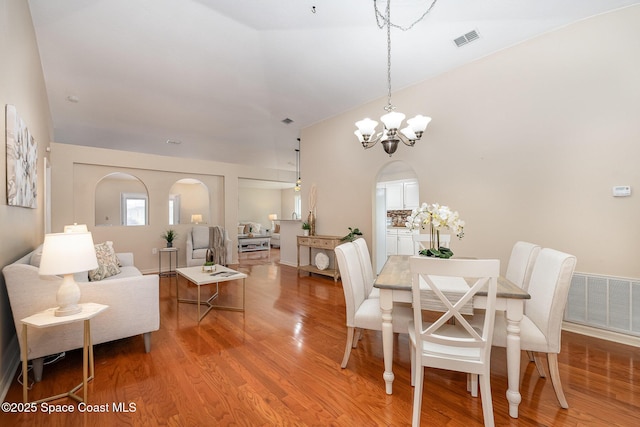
(170, 235)
(306, 227)
(353, 234)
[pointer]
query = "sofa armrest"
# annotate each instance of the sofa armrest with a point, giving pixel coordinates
(189, 248)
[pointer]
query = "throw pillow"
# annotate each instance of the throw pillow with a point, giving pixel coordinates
(108, 264)
(200, 236)
(277, 229)
(36, 256)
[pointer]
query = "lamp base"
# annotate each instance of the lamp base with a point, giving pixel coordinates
(68, 297)
(68, 310)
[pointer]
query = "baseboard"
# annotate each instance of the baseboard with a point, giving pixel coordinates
(290, 264)
(13, 354)
(601, 334)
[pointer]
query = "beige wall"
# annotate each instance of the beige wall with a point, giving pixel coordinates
(255, 205)
(526, 144)
(76, 170)
(22, 85)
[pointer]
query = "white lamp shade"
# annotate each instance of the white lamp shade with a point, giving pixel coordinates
(67, 253)
(76, 228)
(197, 218)
(273, 217)
(392, 120)
(358, 134)
(409, 133)
(419, 123)
(367, 126)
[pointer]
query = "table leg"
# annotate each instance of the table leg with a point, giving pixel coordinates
(386, 306)
(514, 316)
(85, 357)
(25, 378)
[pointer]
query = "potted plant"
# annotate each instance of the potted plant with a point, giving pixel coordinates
(353, 233)
(305, 228)
(169, 235)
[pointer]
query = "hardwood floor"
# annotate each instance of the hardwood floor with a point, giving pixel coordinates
(279, 364)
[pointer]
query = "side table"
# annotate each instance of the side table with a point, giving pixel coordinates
(46, 319)
(172, 271)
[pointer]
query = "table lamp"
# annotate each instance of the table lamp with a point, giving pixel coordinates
(272, 218)
(196, 218)
(67, 253)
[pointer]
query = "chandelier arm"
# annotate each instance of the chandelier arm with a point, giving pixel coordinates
(406, 141)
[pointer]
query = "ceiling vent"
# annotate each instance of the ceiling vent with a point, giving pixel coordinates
(467, 38)
(287, 121)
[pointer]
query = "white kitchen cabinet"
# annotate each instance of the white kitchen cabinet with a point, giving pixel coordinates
(395, 196)
(402, 195)
(411, 195)
(406, 246)
(392, 242)
(400, 241)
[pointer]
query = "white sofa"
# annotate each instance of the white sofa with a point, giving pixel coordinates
(133, 301)
(198, 243)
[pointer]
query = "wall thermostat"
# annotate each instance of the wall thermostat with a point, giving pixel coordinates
(621, 190)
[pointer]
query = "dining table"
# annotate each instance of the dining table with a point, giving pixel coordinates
(394, 282)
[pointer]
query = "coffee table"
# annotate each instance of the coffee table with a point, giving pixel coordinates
(254, 243)
(199, 277)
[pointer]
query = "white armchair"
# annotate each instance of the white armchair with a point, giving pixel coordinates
(198, 244)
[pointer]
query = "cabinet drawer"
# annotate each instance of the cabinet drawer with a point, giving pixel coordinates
(321, 243)
(303, 241)
(405, 232)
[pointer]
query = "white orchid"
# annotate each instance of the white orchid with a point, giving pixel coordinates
(437, 217)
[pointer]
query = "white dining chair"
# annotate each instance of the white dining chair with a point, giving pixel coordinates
(455, 345)
(367, 268)
(362, 312)
(523, 257)
(423, 241)
(541, 325)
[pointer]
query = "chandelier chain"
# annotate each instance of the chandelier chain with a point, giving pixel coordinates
(383, 20)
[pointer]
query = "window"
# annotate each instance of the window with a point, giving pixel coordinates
(174, 209)
(134, 209)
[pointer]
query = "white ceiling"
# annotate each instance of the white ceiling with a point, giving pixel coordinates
(220, 76)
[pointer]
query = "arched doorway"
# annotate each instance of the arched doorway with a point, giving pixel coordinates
(396, 193)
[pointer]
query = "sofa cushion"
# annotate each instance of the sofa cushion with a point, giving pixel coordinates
(108, 264)
(36, 256)
(200, 254)
(200, 236)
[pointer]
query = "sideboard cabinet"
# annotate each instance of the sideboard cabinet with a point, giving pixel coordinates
(325, 243)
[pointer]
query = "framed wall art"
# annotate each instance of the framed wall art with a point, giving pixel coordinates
(22, 162)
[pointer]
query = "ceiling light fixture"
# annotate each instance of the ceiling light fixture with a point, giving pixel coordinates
(299, 181)
(392, 121)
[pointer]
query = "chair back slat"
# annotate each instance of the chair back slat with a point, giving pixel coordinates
(454, 283)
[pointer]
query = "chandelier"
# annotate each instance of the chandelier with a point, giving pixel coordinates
(299, 181)
(392, 121)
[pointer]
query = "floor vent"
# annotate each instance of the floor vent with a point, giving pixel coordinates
(604, 302)
(466, 38)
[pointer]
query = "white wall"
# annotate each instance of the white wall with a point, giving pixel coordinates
(526, 144)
